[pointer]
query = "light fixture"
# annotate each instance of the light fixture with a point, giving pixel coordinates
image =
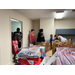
(59, 15)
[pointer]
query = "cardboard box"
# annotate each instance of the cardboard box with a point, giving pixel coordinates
(60, 44)
(47, 48)
(46, 45)
(49, 53)
(40, 44)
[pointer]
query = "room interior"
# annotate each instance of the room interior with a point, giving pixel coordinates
(31, 18)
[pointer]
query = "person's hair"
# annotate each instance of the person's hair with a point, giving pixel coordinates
(71, 39)
(51, 35)
(32, 30)
(18, 29)
(14, 36)
(41, 30)
(55, 35)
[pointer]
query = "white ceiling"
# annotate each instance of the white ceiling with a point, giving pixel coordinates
(44, 13)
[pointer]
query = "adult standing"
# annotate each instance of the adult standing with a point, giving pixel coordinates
(32, 37)
(19, 37)
(40, 36)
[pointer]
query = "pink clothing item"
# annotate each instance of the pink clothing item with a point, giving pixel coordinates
(15, 44)
(32, 36)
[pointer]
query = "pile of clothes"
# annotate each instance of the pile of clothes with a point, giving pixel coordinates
(29, 52)
(31, 55)
(65, 56)
(62, 56)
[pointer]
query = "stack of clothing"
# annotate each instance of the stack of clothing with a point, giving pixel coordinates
(29, 52)
(31, 55)
(65, 56)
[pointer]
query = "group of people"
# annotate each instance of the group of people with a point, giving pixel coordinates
(17, 40)
(56, 37)
(40, 37)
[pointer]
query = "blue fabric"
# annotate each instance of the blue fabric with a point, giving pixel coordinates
(51, 39)
(54, 37)
(44, 55)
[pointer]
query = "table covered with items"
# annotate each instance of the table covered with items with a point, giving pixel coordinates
(30, 55)
(62, 56)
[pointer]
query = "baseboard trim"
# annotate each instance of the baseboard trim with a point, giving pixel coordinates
(10, 63)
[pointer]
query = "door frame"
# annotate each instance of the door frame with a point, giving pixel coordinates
(10, 34)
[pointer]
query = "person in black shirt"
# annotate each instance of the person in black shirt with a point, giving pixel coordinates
(41, 37)
(19, 37)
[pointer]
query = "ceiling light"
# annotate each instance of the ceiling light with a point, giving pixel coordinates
(59, 15)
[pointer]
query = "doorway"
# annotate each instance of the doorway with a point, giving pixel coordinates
(14, 25)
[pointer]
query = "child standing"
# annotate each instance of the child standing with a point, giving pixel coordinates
(15, 48)
(51, 39)
(70, 41)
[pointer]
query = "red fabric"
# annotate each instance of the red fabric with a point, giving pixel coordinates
(32, 37)
(37, 61)
(15, 45)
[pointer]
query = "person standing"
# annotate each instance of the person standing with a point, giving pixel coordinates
(15, 48)
(41, 37)
(51, 39)
(32, 38)
(19, 37)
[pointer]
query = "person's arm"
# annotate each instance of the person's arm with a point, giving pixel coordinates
(42, 35)
(30, 38)
(21, 36)
(13, 49)
(54, 40)
(58, 38)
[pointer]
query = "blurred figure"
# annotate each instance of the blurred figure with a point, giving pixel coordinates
(62, 39)
(70, 40)
(57, 38)
(40, 36)
(51, 39)
(15, 48)
(31, 38)
(19, 37)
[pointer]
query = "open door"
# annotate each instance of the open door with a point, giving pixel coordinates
(15, 24)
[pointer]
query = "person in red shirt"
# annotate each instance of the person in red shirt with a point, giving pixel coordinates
(32, 37)
(15, 48)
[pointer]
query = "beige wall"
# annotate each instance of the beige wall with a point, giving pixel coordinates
(64, 24)
(0, 39)
(15, 25)
(48, 26)
(5, 32)
(36, 26)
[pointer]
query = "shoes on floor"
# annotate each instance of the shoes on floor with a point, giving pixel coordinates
(15, 61)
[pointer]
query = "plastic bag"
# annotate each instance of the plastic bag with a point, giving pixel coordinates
(29, 52)
(65, 56)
